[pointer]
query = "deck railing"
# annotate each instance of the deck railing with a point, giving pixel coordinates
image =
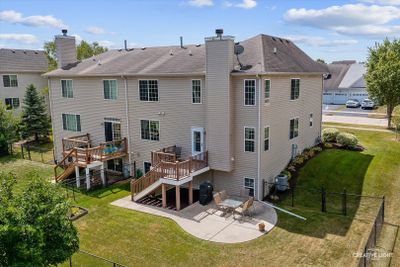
(81, 141)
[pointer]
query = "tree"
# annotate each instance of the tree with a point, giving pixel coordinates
(321, 61)
(34, 226)
(383, 74)
(8, 129)
(83, 50)
(35, 121)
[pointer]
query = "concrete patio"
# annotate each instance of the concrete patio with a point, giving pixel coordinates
(206, 222)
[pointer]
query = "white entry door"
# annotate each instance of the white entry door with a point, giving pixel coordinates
(197, 140)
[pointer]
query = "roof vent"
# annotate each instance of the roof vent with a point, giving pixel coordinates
(219, 33)
(25, 52)
(281, 40)
(143, 48)
(13, 51)
(171, 52)
(273, 38)
(198, 45)
(99, 63)
(64, 32)
(36, 52)
(190, 53)
(275, 50)
(119, 50)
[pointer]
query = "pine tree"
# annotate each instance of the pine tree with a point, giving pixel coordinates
(35, 121)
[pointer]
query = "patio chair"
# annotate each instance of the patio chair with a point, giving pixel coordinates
(223, 195)
(245, 208)
(218, 201)
(244, 192)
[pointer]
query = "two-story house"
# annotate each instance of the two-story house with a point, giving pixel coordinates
(18, 69)
(230, 113)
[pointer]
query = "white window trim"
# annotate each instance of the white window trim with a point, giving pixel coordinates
(159, 130)
(201, 91)
(12, 103)
(290, 90)
(269, 138)
(244, 92)
(269, 98)
(62, 123)
(244, 139)
(8, 74)
(158, 90)
(116, 88)
(298, 128)
(72, 84)
(254, 184)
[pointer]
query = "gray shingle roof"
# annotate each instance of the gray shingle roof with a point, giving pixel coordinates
(337, 71)
(18, 60)
(258, 52)
(354, 77)
(345, 74)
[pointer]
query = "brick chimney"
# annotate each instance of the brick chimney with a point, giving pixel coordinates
(65, 49)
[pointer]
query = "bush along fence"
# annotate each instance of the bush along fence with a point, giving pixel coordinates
(81, 257)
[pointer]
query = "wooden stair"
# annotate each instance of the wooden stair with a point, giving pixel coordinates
(67, 167)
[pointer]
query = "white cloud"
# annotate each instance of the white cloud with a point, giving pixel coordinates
(95, 30)
(320, 41)
(12, 16)
(106, 43)
(358, 19)
(383, 2)
(247, 4)
(201, 3)
(20, 38)
(78, 38)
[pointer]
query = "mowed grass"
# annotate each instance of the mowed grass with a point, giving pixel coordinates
(138, 239)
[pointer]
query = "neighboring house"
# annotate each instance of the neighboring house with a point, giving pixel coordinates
(18, 69)
(346, 82)
(233, 126)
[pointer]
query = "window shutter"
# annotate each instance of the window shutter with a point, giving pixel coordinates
(78, 123)
(64, 120)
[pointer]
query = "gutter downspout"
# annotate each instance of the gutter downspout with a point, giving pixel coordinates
(322, 101)
(51, 118)
(127, 122)
(259, 138)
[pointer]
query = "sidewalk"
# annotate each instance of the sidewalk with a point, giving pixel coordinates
(355, 120)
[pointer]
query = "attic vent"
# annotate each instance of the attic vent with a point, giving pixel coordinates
(119, 50)
(13, 51)
(198, 45)
(25, 52)
(281, 40)
(36, 52)
(99, 63)
(190, 53)
(171, 52)
(143, 48)
(273, 39)
(287, 41)
(275, 50)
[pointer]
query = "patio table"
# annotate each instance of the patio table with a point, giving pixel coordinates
(231, 204)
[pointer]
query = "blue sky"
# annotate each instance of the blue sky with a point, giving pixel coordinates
(331, 30)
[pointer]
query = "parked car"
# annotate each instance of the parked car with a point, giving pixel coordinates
(353, 103)
(367, 103)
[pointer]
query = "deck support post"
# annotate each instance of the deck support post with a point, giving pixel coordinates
(190, 192)
(164, 195)
(102, 176)
(78, 178)
(178, 197)
(87, 178)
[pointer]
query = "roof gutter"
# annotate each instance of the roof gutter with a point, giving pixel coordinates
(127, 75)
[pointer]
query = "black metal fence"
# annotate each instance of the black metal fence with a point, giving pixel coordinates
(84, 258)
(33, 153)
(369, 253)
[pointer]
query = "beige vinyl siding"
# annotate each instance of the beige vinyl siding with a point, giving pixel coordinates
(89, 103)
(219, 64)
(174, 111)
(277, 115)
(24, 79)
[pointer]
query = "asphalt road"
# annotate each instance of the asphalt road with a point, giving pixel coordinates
(341, 110)
(357, 116)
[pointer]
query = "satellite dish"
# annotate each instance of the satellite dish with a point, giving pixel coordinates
(238, 49)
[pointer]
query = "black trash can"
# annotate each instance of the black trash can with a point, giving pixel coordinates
(205, 193)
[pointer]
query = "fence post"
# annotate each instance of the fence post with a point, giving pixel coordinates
(383, 209)
(323, 199)
(344, 202)
(29, 152)
(22, 152)
(375, 232)
(41, 155)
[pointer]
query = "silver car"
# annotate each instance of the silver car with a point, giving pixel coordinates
(367, 103)
(352, 103)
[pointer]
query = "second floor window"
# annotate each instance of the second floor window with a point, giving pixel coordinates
(295, 89)
(196, 91)
(249, 92)
(110, 89)
(267, 90)
(266, 138)
(249, 139)
(12, 103)
(294, 128)
(150, 130)
(148, 90)
(71, 122)
(66, 88)
(10, 80)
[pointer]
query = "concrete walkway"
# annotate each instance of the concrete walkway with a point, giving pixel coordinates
(206, 222)
(354, 120)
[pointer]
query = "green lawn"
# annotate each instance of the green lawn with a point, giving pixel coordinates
(138, 239)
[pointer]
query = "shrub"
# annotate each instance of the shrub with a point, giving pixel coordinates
(291, 168)
(329, 134)
(317, 149)
(298, 160)
(347, 139)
